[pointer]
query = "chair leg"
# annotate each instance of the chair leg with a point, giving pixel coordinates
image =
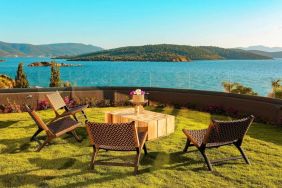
(75, 117)
(186, 145)
(243, 154)
(137, 159)
(35, 134)
(145, 149)
(44, 144)
(95, 152)
(84, 115)
(76, 136)
(206, 159)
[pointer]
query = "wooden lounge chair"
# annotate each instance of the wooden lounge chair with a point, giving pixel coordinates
(116, 137)
(57, 102)
(54, 129)
(219, 133)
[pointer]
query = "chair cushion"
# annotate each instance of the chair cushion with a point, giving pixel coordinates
(199, 135)
(63, 125)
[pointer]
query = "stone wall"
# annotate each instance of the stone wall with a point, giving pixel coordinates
(265, 108)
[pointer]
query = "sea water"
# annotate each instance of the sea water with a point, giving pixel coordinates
(200, 75)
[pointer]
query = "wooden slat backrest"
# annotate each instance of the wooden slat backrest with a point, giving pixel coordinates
(56, 101)
(118, 134)
(228, 131)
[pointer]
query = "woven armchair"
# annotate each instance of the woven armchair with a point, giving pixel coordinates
(219, 133)
(116, 137)
(57, 102)
(53, 129)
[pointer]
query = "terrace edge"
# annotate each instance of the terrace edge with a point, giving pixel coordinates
(268, 109)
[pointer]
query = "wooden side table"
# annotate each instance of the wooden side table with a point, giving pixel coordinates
(157, 124)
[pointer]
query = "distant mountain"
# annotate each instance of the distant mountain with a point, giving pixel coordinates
(48, 50)
(167, 52)
(263, 48)
(269, 54)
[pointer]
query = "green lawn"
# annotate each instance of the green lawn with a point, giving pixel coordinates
(65, 163)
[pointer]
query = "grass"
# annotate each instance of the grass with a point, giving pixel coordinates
(65, 163)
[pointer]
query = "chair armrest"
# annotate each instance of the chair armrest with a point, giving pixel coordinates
(77, 108)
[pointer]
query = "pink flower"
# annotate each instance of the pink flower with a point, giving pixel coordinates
(137, 92)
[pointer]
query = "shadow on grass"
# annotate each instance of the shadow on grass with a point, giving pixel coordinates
(156, 161)
(5, 124)
(150, 163)
(59, 164)
(23, 179)
(172, 111)
(14, 146)
(268, 133)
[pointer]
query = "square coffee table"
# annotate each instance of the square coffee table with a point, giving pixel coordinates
(157, 124)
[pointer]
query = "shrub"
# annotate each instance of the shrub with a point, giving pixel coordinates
(6, 82)
(10, 107)
(237, 88)
(276, 89)
(55, 75)
(70, 102)
(21, 80)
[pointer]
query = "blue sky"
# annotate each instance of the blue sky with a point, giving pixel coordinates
(115, 23)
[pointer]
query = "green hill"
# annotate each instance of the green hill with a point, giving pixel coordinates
(50, 50)
(167, 52)
(269, 54)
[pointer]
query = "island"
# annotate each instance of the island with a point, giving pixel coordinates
(47, 64)
(168, 53)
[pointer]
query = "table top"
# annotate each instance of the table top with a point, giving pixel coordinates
(144, 116)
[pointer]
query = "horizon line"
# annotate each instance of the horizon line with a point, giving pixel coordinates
(96, 45)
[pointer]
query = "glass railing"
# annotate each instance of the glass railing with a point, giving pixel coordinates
(197, 75)
(181, 80)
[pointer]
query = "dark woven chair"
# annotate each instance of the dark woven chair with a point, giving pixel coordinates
(116, 137)
(57, 102)
(54, 129)
(219, 133)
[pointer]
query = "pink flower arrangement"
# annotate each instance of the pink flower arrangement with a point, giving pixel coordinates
(137, 92)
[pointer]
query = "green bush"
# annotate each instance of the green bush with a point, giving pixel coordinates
(21, 79)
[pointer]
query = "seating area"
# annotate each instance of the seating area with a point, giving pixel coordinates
(65, 162)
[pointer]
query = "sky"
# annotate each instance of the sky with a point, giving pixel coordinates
(116, 23)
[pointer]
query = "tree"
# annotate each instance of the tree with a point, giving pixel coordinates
(276, 89)
(55, 75)
(21, 80)
(275, 83)
(66, 84)
(234, 87)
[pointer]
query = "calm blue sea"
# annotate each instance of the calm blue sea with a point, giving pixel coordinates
(202, 75)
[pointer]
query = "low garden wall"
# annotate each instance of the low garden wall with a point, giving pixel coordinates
(265, 109)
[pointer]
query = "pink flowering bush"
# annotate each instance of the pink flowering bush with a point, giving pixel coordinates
(70, 102)
(43, 105)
